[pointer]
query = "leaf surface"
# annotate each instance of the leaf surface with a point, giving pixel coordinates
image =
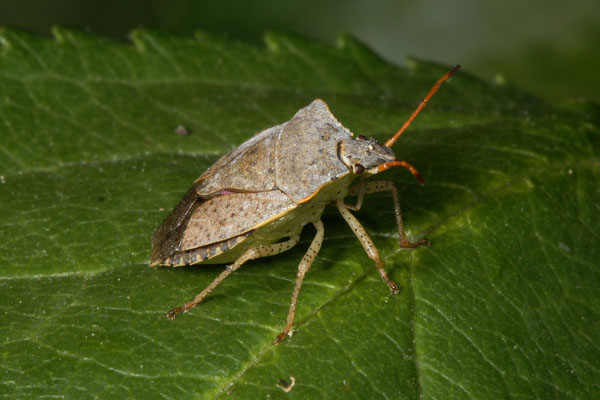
(503, 304)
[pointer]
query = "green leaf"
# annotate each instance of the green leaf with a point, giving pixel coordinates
(503, 304)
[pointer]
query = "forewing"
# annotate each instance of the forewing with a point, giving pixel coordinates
(249, 168)
(223, 217)
(167, 237)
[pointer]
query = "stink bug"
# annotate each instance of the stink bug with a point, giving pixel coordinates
(272, 185)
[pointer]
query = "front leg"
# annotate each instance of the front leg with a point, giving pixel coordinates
(367, 244)
(384, 186)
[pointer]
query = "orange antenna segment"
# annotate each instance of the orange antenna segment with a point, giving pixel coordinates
(413, 170)
(434, 89)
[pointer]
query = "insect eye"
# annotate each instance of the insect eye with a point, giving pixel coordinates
(358, 169)
(361, 137)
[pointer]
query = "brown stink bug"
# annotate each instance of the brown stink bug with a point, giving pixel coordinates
(271, 186)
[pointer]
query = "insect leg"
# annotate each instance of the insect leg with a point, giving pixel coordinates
(250, 254)
(303, 267)
(358, 191)
(385, 186)
(367, 244)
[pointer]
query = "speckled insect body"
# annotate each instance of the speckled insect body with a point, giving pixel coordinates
(255, 200)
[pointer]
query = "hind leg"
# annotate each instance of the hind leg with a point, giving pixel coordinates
(250, 254)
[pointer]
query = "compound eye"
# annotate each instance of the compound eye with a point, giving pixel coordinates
(361, 137)
(358, 169)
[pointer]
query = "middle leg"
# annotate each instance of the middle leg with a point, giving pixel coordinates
(384, 186)
(303, 267)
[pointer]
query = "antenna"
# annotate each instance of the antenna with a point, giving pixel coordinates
(432, 91)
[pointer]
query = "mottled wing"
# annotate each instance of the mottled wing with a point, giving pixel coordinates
(223, 217)
(249, 168)
(246, 170)
(167, 237)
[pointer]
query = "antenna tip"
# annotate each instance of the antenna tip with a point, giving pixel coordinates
(419, 178)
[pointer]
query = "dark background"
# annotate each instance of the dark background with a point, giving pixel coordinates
(550, 47)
